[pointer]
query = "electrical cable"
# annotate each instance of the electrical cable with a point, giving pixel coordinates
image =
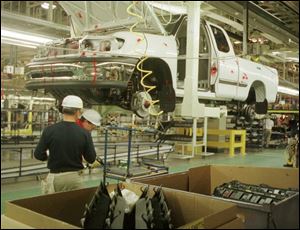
(165, 21)
(133, 14)
(147, 73)
(149, 88)
(170, 15)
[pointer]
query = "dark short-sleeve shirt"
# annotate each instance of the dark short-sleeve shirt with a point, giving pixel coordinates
(67, 143)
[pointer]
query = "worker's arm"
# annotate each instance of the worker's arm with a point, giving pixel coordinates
(40, 152)
(97, 163)
(89, 153)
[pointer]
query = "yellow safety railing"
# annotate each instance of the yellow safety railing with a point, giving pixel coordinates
(231, 144)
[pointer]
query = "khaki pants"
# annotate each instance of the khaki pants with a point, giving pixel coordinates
(268, 134)
(59, 182)
(292, 151)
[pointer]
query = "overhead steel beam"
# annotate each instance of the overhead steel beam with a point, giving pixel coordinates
(265, 24)
(284, 82)
(234, 35)
(269, 17)
(292, 5)
(5, 14)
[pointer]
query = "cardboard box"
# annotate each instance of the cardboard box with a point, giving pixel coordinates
(65, 209)
(204, 179)
(234, 224)
(8, 223)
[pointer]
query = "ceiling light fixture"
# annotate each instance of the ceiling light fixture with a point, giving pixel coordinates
(22, 39)
(293, 59)
(45, 5)
(37, 39)
(237, 42)
(275, 53)
(15, 42)
(173, 9)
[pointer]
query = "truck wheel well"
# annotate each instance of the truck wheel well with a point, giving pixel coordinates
(160, 77)
(257, 93)
(257, 96)
(160, 71)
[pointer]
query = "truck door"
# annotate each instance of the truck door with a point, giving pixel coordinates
(224, 66)
(204, 56)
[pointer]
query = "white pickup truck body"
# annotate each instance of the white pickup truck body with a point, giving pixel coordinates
(102, 69)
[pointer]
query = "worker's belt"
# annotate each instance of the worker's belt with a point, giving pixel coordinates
(57, 171)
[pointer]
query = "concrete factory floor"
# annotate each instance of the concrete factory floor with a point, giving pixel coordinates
(20, 188)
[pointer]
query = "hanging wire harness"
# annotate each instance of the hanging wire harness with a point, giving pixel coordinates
(143, 102)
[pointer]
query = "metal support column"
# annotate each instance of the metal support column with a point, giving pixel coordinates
(194, 141)
(50, 11)
(245, 26)
(129, 151)
(29, 119)
(20, 169)
(205, 153)
(13, 55)
(284, 67)
(27, 8)
(105, 155)
(190, 106)
(87, 12)
(205, 135)
(115, 154)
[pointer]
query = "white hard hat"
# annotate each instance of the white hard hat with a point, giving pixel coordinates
(92, 116)
(72, 101)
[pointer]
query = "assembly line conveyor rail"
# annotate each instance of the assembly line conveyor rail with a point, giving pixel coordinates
(20, 167)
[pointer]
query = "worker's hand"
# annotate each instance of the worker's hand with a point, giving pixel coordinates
(96, 164)
(99, 160)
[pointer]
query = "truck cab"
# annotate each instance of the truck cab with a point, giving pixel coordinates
(222, 75)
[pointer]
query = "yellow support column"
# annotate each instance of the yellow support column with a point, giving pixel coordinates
(231, 145)
(243, 142)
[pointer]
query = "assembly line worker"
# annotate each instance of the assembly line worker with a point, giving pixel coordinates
(89, 120)
(67, 144)
(268, 130)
